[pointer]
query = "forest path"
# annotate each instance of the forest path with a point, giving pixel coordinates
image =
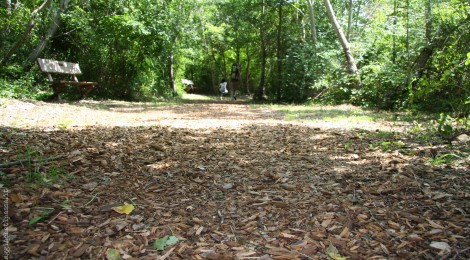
(194, 112)
(228, 180)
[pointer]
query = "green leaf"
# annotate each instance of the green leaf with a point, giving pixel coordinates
(164, 241)
(35, 220)
(160, 244)
(171, 240)
(113, 254)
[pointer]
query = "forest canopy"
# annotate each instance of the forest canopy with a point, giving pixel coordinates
(412, 54)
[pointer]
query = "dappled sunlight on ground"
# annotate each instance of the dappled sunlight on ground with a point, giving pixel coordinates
(227, 179)
(193, 115)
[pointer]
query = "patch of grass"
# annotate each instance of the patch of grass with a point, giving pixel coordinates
(47, 177)
(29, 154)
(384, 135)
(65, 124)
(316, 113)
(66, 205)
(38, 172)
(387, 146)
(445, 159)
(42, 215)
(5, 181)
(348, 146)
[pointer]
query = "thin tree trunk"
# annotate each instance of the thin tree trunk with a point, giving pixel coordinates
(408, 33)
(394, 40)
(260, 91)
(6, 30)
(313, 28)
(247, 71)
(428, 14)
(427, 51)
(407, 44)
(29, 27)
(171, 76)
(351, 62)
(50, 32)
(214, 85)
(279, 58)
(350, 11)
(358, 11)
(8, 7)
(171, 73)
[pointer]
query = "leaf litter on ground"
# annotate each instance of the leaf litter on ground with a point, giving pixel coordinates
(245, 187)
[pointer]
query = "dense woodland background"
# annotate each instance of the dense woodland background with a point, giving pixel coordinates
(412, 54)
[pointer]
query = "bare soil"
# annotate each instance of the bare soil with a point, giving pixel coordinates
(226, 179)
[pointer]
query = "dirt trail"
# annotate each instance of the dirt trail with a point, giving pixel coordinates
(227, 180)
(198, 114)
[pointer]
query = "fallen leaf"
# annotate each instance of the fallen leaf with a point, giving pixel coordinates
(228, 186)
(286, 235)
(441, 246)
(113, 254)
(90, 186)
(124, 209)
(344, 233)
(434, 224)
(333, 253)
(33, 249)
(160, 244)
(17, 198)
(35, 220)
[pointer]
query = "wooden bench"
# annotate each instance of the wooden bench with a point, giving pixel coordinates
(188, 85)
(65, 69)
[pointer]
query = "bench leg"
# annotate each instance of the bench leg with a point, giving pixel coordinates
(57, 88)
(84, 90)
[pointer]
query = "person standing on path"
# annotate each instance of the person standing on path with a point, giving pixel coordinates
(223, 88)
(234, 80)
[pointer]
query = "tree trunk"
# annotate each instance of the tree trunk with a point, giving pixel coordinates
(8, 7)
(428, 15)
(214, 64)
(418, 67)
(279, 53)
(426, 53)
(394, 37)
(29, 27)
(351, 62)
(358, 11)
(350, 11)
(259, 94)
(171, 76)
(50, 32)
(313, 28)
(247, 71)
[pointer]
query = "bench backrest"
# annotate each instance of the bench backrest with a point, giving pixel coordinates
(59, 67)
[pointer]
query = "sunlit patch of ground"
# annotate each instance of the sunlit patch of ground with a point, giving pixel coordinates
(192, 111)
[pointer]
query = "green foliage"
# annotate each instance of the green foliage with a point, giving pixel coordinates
(37, 176)
(43, 215)
(444, 159)
(4, 180)
(445, 125)
(391, 145)
(128, 47)
(19, 84)
(448, 126)
(65, 124)
(161, 243)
